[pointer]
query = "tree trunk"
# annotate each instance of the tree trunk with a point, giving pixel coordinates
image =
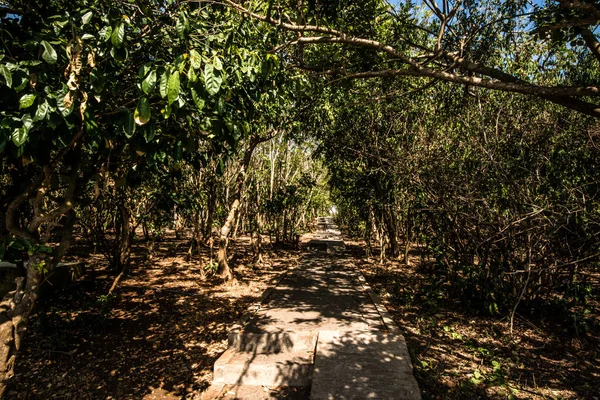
(14, 314)
(390, 225)
(124, 236)
(224, 270)
(16, 306)
(368, 235)
(212, 199)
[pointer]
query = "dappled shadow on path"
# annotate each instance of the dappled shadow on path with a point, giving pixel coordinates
(323, 294)
(356, 356)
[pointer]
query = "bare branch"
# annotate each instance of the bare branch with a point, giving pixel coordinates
(563, 95)
(591, 41)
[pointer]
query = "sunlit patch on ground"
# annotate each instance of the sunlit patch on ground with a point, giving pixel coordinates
(459, 355)
(158, 338)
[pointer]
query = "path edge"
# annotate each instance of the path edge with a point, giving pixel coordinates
(389, 323)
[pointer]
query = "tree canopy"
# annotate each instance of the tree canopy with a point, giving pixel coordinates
(465, 129)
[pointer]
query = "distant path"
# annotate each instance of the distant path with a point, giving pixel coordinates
(321, 334)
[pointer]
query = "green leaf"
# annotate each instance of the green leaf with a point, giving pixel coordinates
(49, 55)
(42, 111)
(211, 81)
(40, 248)
(27, 121)
(192, 77)
(195, 59)
(129, 125)
(86, 17)
(19, 136)
(217, 63)
(91, 126)
(119, 53)
(164, 84)
(24, 78)
(144, 69)
(180, 28)
(27, 101)
(149, 83)
(105, 33)
(197, 99)
(149, 132)
(142, 112)
(173, 91)
(118, 34)
(167, 111)
(87, 36)
(6, 74)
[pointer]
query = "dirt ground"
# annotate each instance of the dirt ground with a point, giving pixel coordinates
(460, 355)
(156, 338)
(159, 335)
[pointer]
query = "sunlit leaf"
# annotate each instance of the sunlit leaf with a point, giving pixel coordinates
(217, 63)
(211, 81)
(86, 17)
(118, 34)
(195, 59)
(27, 100)
(149, 82)
(20, 136)
(142, 112)
(173, 91)
(105, 33)
(164, 84)
(49, 54)
(6, 74)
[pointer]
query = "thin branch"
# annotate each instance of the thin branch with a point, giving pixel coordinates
(559, 95)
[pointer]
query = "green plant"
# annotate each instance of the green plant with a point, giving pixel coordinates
(211, 267)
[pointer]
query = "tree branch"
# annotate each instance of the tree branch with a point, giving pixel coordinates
(14, 205)
(563, 95)
(591, 41)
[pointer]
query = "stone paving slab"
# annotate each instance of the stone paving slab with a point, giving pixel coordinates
(321, 295)
(280, 369)
(246, 392)
(321, 325)
(362, 365)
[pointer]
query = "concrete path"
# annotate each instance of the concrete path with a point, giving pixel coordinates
(321, 334)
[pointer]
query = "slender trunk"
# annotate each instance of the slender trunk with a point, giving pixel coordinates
(368, 235)
(407, 240)
(212, 199)
(237, 223)
(388, 221)
(224, 270)
(176, 223)
(124, 236)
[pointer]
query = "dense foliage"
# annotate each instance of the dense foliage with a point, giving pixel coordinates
(465, 129)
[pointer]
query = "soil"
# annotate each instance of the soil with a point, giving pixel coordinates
(160, 333)
(458, 354)
(156, 337)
